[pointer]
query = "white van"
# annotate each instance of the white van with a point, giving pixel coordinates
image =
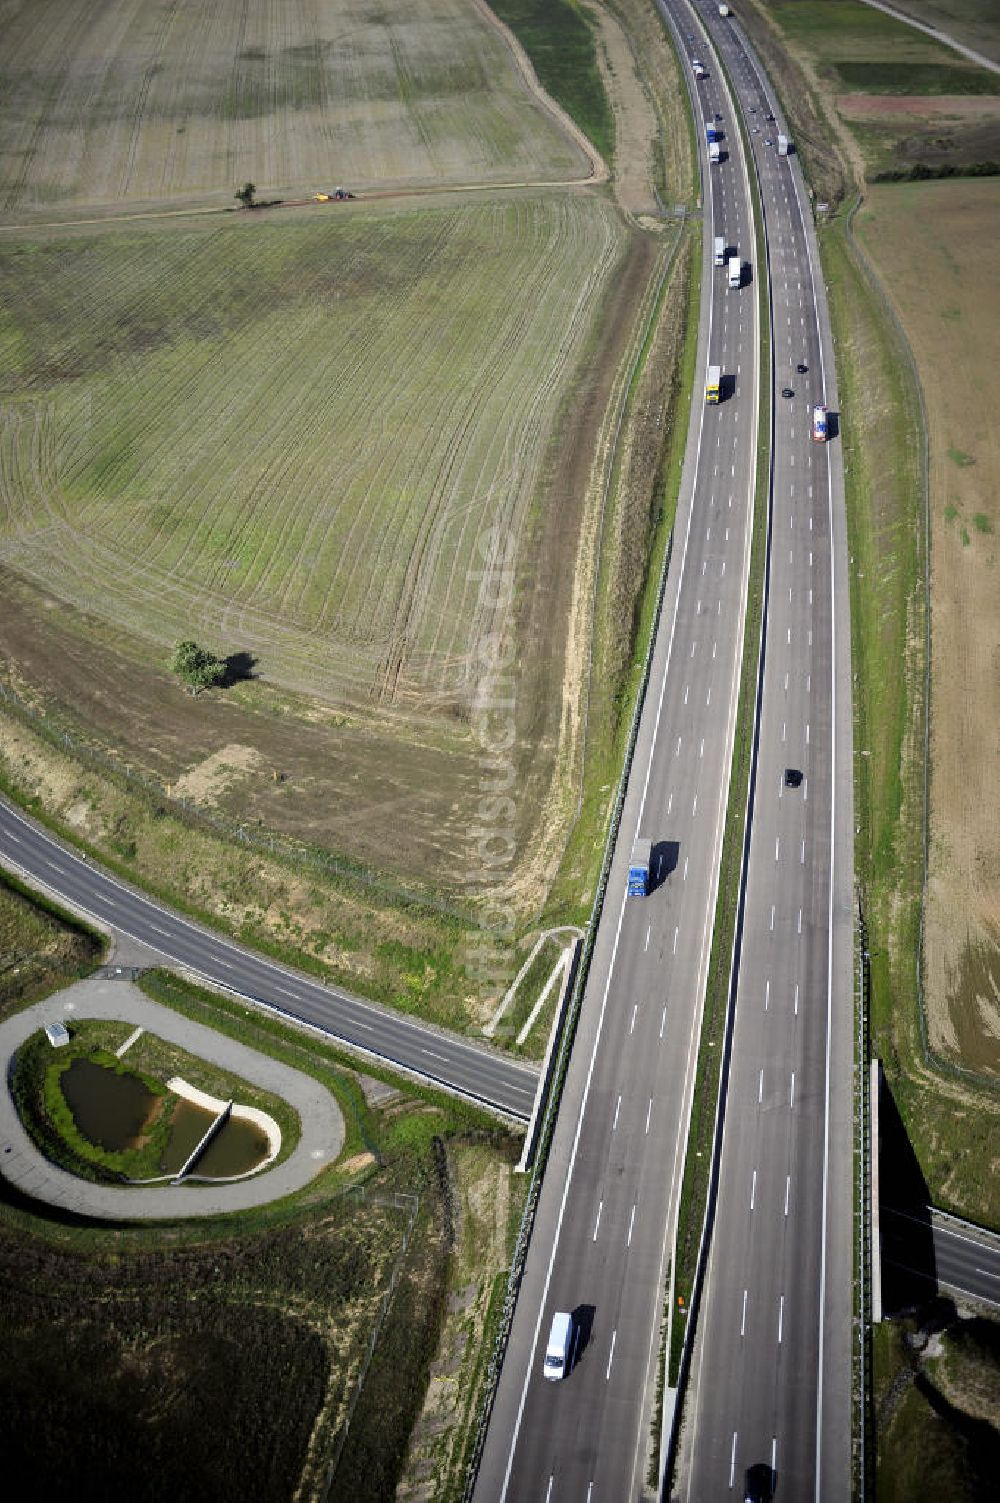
(558, 1347)
(720, 250)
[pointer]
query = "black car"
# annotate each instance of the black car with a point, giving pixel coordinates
(793, 777)
(758, 1486)
(801, 368)
(786, 391)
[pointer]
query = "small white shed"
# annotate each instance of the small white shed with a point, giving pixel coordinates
(57, 1034)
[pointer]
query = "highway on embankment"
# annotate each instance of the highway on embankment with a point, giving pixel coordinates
(770, 1385)
(609, 1198)
(771, 1369)
(478, 1073)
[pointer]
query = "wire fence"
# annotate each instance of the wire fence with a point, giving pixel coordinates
(258, 838)
(400, 1202)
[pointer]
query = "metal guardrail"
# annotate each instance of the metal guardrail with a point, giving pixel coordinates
(864, 1457)
(562, 1054)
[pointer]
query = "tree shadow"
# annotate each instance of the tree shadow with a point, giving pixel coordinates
(978, 1435)
(237, 668)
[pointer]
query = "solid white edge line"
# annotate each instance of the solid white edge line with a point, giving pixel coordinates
(821, 1334)
(611, 964)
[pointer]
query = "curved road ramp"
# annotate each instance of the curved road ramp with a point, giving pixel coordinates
(25, 1167)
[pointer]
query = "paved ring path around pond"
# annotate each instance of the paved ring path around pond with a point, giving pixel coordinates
(21, 1163)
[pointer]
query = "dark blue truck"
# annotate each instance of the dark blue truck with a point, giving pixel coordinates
(638, 869)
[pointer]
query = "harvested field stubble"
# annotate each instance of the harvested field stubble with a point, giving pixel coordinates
(291, 437)
(129, 103)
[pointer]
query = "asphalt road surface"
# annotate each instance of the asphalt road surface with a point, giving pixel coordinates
(770, 1389)
(940, 1252)
(479, 1074)
(609, 1198)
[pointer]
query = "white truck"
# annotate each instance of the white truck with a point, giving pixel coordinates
(557, 1348)
(698, 68)
(714, 152)
(719, 253)
(724, 10)
(735, 271)
(784, 146)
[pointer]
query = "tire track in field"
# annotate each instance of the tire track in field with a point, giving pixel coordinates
(139, 109)
(527, 442)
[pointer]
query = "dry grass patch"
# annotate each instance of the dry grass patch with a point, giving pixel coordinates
(932, 244)
(206, 781)
(636, 125)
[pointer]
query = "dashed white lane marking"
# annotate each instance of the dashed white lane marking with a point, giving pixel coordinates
(597, 1223)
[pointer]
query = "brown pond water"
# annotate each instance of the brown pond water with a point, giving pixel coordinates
(110, 1110)
(114, 1111)
(236, 1148)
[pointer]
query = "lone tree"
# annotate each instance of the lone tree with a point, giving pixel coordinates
(245, 195)
(198, 667)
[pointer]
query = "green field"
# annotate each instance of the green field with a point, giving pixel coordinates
(559, 37)
(297, 439)
(132, 105)
(899, 103)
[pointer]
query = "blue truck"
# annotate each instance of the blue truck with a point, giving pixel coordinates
(638, 869)
(712, 132)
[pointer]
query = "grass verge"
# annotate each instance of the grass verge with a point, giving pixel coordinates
(41, 946)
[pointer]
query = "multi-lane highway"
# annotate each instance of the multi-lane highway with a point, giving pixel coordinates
(609, 1199)
(771, 1373)
(480, 1074)
(771, 1377)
